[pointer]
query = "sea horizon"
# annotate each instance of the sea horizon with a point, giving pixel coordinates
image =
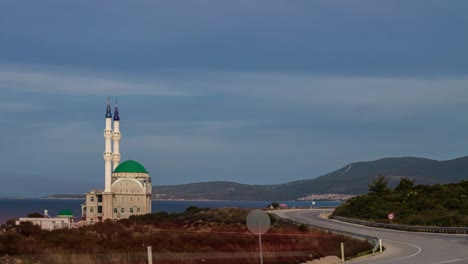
(11, 208)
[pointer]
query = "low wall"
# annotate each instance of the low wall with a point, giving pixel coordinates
(431, 229)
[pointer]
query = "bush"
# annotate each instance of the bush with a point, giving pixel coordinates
(438, 205)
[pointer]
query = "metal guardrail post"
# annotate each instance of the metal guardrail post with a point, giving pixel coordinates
(150, 255)
(342, 252)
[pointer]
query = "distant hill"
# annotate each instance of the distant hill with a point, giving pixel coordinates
(219, 190)
(351, 179)
(65, 196)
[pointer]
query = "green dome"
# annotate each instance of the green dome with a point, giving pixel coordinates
(65, 213)
(130, 166)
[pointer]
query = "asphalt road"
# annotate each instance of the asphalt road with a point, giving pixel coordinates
(402, 247)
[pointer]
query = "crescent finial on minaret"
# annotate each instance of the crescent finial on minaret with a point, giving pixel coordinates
(108, 112)
(116, 112)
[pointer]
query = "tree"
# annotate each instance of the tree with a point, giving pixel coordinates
(378, 185)
(35, 215)
(275, 205)
(405, 184)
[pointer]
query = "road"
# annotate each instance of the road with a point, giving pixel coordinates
(402, 247)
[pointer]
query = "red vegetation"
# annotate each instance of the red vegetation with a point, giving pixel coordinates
(196, 236)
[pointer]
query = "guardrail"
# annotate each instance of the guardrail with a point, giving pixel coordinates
(431, 229)
(373, 240)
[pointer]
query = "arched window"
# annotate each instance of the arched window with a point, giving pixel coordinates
(122, 210)
(91, 209)
(115, 210)
(138, 210)
(91, 199)
(131, 210)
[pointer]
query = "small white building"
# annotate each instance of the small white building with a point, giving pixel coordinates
(64, 219)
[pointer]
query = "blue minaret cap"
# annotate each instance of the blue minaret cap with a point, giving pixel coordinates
(108, 112)
(116, 112)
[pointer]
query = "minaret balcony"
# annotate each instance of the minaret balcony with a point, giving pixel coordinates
(116, 158)
(107, 155)
(116, 136)
(108, 133)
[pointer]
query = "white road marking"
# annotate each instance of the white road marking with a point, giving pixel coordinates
(405, 257)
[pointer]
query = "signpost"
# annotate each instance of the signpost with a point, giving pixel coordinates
(258, 223)
(390, 217)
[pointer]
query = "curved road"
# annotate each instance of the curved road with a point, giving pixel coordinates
(402, 247)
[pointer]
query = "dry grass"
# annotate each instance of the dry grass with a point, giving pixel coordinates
(198, 236)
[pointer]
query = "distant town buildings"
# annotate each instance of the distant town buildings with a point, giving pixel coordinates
(327, 196)
(127, 189)
(64, 219)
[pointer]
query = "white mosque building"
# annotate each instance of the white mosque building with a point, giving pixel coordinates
(127, 189)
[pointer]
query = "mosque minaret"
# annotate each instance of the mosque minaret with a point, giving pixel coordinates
(116, 136)
(127, 185)
(108, 149)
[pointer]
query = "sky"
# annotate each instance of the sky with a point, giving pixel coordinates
(256, 92)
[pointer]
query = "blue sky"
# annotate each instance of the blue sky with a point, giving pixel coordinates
(249, 91)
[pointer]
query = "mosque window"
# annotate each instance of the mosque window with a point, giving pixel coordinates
(122, 210)
(131, 210)
(115, 210)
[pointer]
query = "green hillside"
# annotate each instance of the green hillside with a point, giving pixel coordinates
(437, 205)
(351, 179)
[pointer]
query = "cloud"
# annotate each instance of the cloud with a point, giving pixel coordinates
(273, 87)
(346, 89)
(19, 106)
(53, 82)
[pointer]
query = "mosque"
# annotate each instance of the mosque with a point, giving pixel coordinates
(127, 189)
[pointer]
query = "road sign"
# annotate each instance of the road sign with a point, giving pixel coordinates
(258, 222)
(390, 216)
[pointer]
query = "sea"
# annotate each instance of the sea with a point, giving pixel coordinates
(14, 208)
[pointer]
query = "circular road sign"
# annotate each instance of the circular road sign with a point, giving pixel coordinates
(258, 222)
(391, 216)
